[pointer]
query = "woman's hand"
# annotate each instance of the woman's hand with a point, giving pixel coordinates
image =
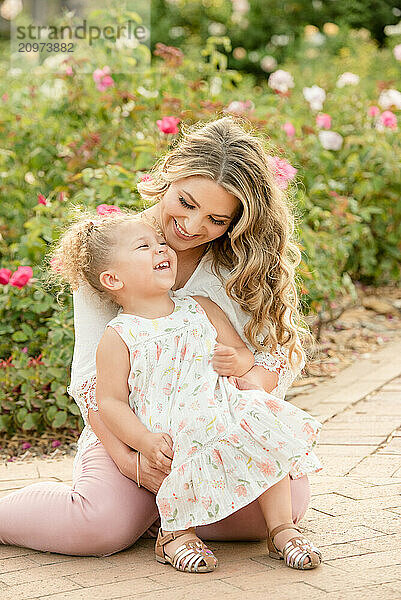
(256, 378)
(242, 383)
(150, 478)
(158, 449)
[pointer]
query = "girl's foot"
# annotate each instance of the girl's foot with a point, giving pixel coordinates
(185, 551)
(297, 551)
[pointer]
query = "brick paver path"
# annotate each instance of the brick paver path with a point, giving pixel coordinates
(354, 516)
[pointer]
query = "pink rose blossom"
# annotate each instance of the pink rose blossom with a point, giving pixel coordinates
(168, 124)
(26, 445)
(103, 79)
(389, 119)
(282, 170)
(107, 209)
(323, 121)
(5, 275)
(373, 111)
(69, 71)
(21, 276)
(25, 350)
(146, 178)
(56, 443)
(5, 97)
(42, 199)
(239, 107)
(289, 129)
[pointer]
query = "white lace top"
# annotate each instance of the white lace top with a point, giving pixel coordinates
(92, 314)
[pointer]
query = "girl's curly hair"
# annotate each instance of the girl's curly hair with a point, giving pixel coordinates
(85, 249)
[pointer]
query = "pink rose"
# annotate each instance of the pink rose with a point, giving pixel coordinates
(42, 199)
(107, 209)
(146, 178)
(323, 121)
(26, 445)
(168, 124)
(56, 443)
(5, 97)
(388, 119)
(289, 129)
(69, 71)
(373, 111)
(282, 170)
(5, 275)
(102, 78)
(21, 277)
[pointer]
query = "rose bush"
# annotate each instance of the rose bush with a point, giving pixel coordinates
(84, 146)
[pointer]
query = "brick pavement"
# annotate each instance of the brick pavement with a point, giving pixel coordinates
(354, 516)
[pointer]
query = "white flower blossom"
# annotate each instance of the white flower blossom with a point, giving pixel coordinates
(268, 63)
(281, 81)
(54, 90)
(315, 95)
(30, 178)
(389, 98)
(216, 85)
(330, 140)
(347, 78)
(10, 9)
(397, 51)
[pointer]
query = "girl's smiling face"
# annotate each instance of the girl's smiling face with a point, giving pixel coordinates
(143, 263)
(196, 210)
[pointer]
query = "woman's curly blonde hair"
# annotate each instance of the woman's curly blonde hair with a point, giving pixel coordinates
(85, 249)
(259, 249)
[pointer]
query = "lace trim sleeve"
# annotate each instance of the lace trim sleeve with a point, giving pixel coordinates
(84, 395)
(277, 362)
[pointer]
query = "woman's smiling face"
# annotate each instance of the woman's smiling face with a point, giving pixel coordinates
(196, 210)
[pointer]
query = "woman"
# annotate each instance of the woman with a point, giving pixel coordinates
(231, 226)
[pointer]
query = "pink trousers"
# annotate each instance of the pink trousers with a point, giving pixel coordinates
(104, 512)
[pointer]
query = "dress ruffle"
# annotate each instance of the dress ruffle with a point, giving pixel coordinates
(265, 439)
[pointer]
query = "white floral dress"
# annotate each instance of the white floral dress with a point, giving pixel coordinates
(229, 445)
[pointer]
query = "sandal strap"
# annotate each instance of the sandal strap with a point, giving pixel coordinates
(279, 528)
(172, 535)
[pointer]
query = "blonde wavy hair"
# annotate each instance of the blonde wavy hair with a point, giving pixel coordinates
(259, 249)
(85, 249)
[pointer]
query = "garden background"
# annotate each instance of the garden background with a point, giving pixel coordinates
(321, 80)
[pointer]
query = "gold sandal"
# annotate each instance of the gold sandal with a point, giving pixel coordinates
(193, 556)
(295, 551)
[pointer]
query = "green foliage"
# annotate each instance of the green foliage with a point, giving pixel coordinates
(79, 146)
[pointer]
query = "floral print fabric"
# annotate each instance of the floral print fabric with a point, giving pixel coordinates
(230, 445)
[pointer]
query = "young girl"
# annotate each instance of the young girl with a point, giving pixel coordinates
(164, 388)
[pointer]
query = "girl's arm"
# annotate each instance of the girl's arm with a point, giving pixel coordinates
(112, 393)
(232, 358)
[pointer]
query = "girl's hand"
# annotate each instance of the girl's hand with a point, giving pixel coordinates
(158, 449)
(150, 478)
(225, 360)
